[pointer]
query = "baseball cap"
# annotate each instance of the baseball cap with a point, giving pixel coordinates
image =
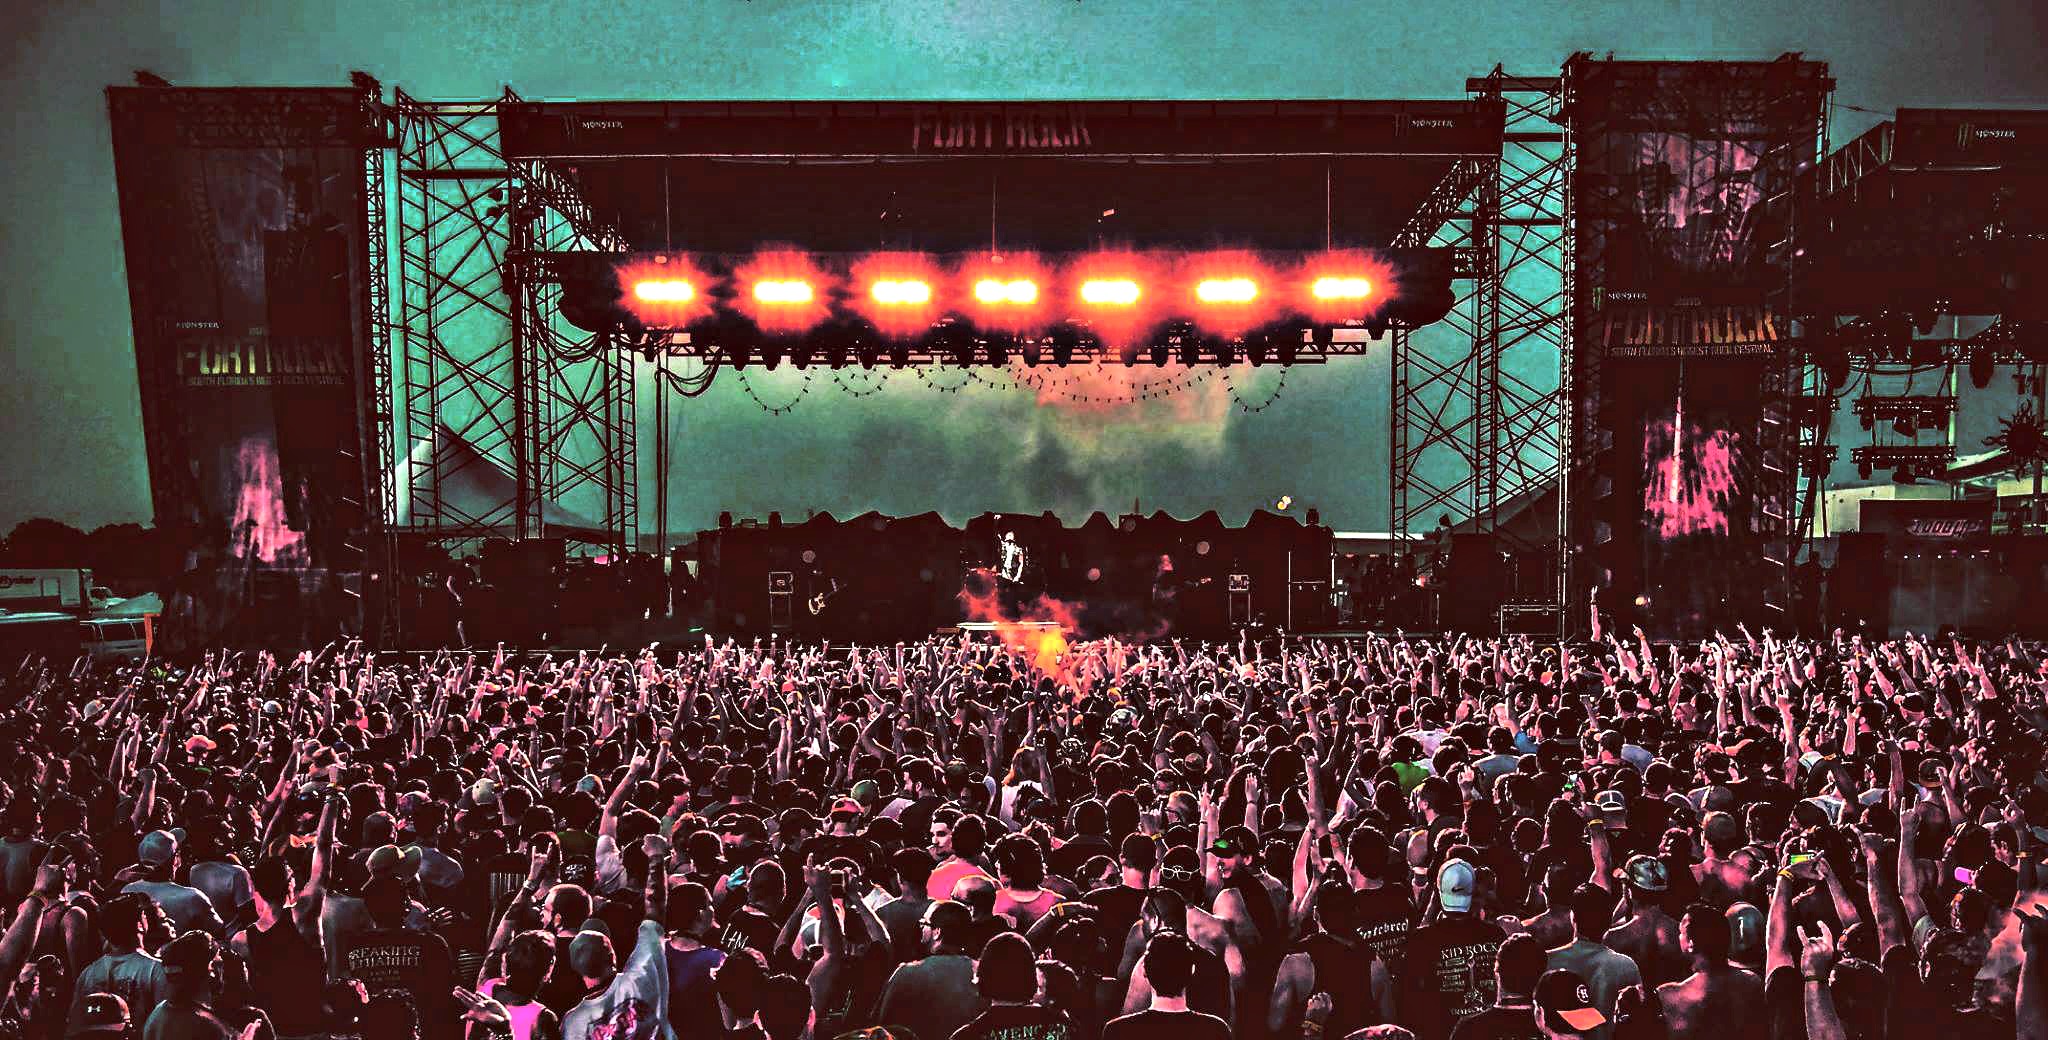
(1647, 874)
(867, 792)
(103, 1015)
(1455, 884)
(483, 792)
(1567, 1003)
(847, 804)
(1235, 841)
(1745, 933)
(1612, 806)
(157, 848)
(392, 861)
(190, 953)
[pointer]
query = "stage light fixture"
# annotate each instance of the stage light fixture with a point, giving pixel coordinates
(1227, 290)
(995, 291)
(782, 292)
(903, 293)
(1341, 288)
(1112, 292)
(664, 290)
(1065, 340)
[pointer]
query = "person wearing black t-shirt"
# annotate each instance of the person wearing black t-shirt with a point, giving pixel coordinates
(1169, 965)
(1384, 912)
(1120, 904)
(1007, 977)
(291, 977)
(1331, 960)
(1449, 972)
(751, 926)
(391, 956)
(1516, 969)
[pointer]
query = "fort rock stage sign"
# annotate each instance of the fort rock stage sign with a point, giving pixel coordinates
(1718, 330)
(1011, 130)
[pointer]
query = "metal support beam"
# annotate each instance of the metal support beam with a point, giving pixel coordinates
(1478, 416)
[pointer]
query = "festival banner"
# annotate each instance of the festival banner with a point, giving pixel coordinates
(1680, 189)
(1681, 172)
(246, 238)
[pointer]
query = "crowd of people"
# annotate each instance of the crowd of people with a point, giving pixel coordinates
(959, 839)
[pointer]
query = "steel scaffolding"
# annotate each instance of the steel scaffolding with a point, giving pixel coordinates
(1478, 407)
(491, 383)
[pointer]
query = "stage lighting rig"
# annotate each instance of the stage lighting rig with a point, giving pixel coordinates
(1915, 459)
(1908, 413)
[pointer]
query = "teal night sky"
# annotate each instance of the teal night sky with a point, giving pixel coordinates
(70, 426)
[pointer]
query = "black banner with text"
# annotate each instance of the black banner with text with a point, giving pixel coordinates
(246, 238)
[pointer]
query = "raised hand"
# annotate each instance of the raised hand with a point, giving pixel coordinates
(2033, 930)
(482, 1010)
(1816, 951)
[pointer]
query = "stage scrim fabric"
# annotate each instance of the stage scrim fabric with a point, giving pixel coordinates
(245, 229)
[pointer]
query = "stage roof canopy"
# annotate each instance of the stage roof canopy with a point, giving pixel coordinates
(949, 177)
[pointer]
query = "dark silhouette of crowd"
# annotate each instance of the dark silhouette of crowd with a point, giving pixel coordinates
(954, 840)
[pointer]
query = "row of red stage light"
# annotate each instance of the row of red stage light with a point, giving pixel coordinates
(911, 292)
(790, 290)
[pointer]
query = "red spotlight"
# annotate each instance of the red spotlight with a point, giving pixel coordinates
(1007, 293)
(665, 290)
(1228, 292)
(1116, 293)
(1344, 285)
(784, 291)
(896, 292)
(1112, 292)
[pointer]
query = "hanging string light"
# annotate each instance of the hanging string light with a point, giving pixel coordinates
(781, 409)
(1246, 406)
(924, 376)
(880, 377)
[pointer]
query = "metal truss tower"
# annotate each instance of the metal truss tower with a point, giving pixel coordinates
(1479, 401)
(512, 425)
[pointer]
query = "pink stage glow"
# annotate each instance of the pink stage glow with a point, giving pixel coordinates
(1691, 486)
(261, 534)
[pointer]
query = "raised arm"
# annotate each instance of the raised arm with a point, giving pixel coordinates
(1909, 868)
(2030, 1009)
(1885, 910)
(608, 824)
(1816, 960)
(540, 860)
(1780, 948)
(1846, 910)
(824, 975)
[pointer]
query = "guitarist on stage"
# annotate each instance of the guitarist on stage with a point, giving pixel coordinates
(1166, 590)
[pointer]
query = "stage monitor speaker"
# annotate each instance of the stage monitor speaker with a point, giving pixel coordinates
(1239, 591)
(781, 600)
